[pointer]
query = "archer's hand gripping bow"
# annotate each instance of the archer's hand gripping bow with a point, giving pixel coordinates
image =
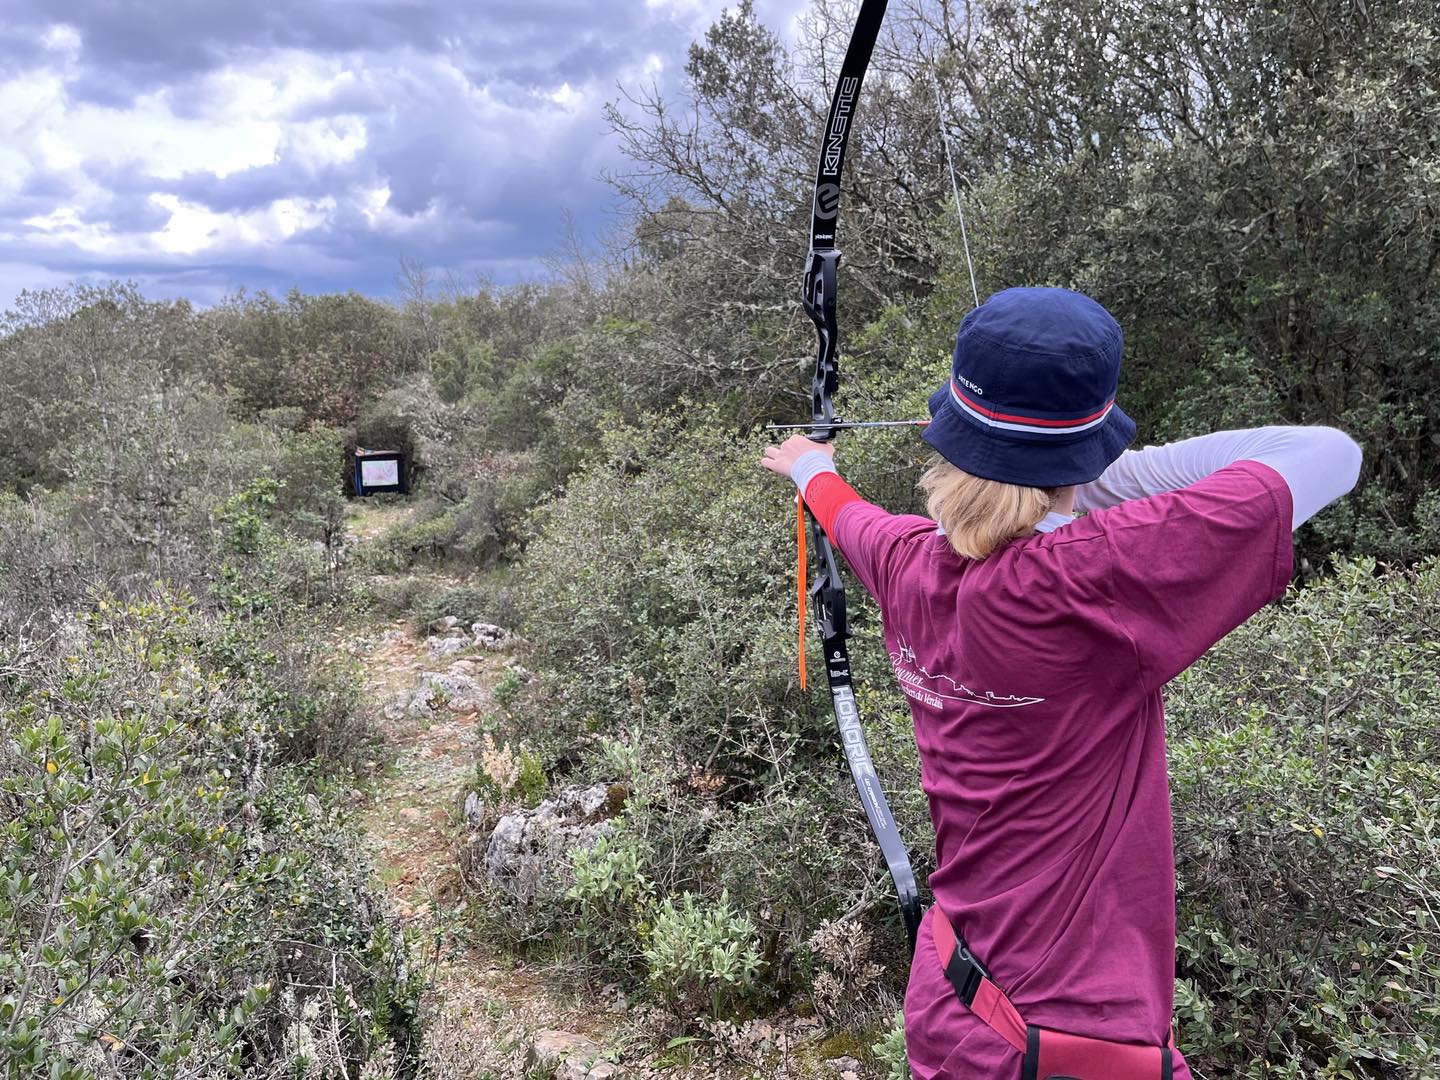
(827, 594)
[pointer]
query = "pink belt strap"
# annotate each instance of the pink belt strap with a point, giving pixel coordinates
(1047, 1054)
(972, 983)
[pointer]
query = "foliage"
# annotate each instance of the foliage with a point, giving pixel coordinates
(1247, 187)
(309, 502)
(1304, 763)
(89, 372)
(179, 901)
(184, 897)
(702, 956)
(1255, 209)
(890, 1050)
(489, 601)
(669, 674)
(512, 775)
(612, 899)
(325, 355)
(472, 514)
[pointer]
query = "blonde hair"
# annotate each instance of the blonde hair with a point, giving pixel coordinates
(979, 515)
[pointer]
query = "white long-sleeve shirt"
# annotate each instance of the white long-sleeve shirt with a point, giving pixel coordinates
(1318, 464)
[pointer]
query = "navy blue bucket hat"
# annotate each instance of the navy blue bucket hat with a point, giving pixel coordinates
(1031, 398)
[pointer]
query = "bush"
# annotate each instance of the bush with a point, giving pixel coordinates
(702, 957)
(612, 900)
(490, 601)
(890, 1051)
(477, 524)
(326, 355)
(42, 572)
(177, 897)
(665, 624)
(1306, 777)
(89, 371)
(310, 469)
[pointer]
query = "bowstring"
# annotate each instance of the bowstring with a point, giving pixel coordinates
(954, 185)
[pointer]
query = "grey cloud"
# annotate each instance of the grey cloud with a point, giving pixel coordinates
(140, 45)
(48, 185)
(131, 214)
(253, 189)
(475, 188)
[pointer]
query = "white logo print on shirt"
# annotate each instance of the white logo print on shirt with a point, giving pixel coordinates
(935, 690)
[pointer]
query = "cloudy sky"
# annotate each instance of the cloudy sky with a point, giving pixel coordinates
(200, 145)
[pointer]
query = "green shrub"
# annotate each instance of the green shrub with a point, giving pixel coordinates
(612, 900)
(1306, 775)
(42, 572)
(474, 530)
(702, 956)
(665, 624)
(463, 366)
(326, 355)
(489, 601)
(663, 609)
(310, 469)
(890, 1051)
(176, 896)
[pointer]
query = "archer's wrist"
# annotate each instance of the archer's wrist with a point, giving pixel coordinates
(810, 465)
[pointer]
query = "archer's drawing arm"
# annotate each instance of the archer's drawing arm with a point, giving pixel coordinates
(1318, 464)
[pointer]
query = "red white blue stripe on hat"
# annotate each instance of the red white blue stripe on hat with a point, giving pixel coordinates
(1033, 424)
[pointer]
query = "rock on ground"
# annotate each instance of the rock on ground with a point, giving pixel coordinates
(445, 646)
(528, 852)
(474, 810)
(573, 1057)
(489, 636)
(452, 689)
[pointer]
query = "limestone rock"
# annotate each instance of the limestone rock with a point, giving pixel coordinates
(579, 1068)
(434, 689)
(570, 1055)
(460, 693)
(489, 636)
(445, 646)
(529, 850)
(847, 1068)
(474, 810)
(416, 701)
(444, 624)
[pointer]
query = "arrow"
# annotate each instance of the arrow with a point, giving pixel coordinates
(845, 425)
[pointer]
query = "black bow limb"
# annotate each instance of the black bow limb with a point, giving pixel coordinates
(827, 593)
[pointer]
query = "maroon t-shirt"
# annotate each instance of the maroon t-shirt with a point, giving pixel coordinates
(1034, 679)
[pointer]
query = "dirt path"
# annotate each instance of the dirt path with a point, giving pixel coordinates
(412, 819)
(487, 1014)
(484, 1012)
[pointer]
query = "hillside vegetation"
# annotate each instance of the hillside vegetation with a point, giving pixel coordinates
(1250, 189)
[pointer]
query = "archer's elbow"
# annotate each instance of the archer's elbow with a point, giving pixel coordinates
(1343, 456)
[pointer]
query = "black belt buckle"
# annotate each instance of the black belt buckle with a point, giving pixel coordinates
(965, 972)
